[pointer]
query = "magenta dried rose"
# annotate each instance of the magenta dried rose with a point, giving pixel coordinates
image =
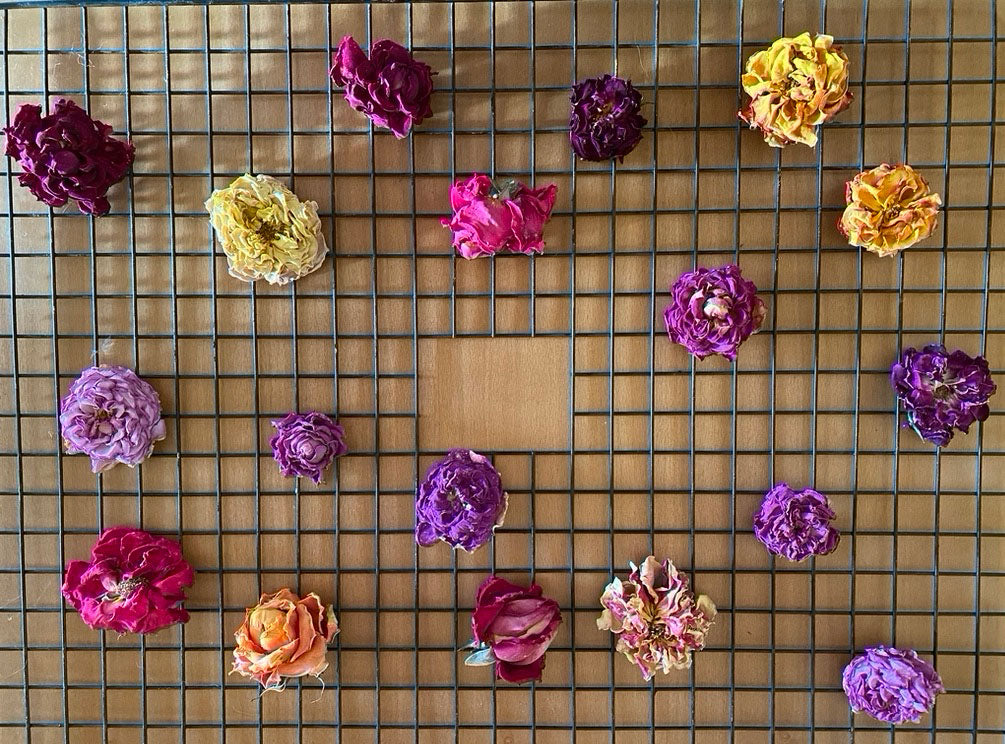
(306, 443)
(891, 684)
(67, 155)
(795, 524)
(461, 501)
(134, 582)
(488, 218)
(713, 311)
(391, 87)
(606, 120)
(112, 416)
(512, 626)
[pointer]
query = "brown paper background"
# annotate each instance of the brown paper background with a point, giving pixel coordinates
(659, 455)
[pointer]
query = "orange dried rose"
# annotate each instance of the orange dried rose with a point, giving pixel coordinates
(282, 637)
(890, 208)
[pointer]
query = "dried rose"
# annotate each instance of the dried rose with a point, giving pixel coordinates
(512, 628)
(656, 617)
(488, 219)
(795, 524)
(266, 231)
(461, 501)
(391, 87)
(67, 155)
(134, 582)
(282, 637)
(112, 416)
(891, 684)
(306, 443)
(795, 85)
(605, 121)
(890, 208)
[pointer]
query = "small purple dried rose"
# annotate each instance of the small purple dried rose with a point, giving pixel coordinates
(713, 311)
(306, 443)
(942, 391)
(795, 524)
(891, 684)
(605, 121)
(461, 501)
(391, 87)
(67, 155)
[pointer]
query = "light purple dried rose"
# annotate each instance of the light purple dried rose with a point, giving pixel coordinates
(67, 155)
(891, 684)
(306, 443)
(605, 121)
(461, 501)
(112, 416)
(713, 311)
(795, 524)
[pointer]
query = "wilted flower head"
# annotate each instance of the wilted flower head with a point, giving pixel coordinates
(391, 87)
(656, 617)
(795, 524)
(67, 155)
(282, 637)
(461, 501)
(306, 443)
(606, 120)
(488, 219)
(134, 582)
(891, 684)
(942, 391)
(713, 311)
(512, 628)
(112, 416)
(890, 208)
(794, 85)
(266, 231)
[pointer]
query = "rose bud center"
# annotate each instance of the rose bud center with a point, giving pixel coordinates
(124, 589)
(268, 627)
(717, 307)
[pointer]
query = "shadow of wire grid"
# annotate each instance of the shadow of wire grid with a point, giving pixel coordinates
(663, 455)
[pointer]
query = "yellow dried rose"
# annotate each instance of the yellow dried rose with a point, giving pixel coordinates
(794, 85)
(266, 231)
(890, 208)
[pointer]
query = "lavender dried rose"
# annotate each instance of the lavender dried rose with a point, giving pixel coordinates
(713, 311)
(306, 443)
(795, 524)
(942, 391)
(606, 120)
(461, 501)
(67, 155)
(891, 684)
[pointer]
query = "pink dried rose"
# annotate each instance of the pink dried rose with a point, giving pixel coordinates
(134, 582)
(489, 218)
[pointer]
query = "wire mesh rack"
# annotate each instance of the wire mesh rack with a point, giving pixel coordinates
(612, 442)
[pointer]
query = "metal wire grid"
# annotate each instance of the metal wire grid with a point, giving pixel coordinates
(69, 683)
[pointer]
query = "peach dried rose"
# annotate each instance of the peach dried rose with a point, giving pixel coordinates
(890, 208)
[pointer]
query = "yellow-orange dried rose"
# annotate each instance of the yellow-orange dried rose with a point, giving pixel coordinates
(889, 209)
(795, 85)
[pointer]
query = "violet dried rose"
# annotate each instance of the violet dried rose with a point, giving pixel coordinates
(606, 119)
(306, 443)
(134, 582)
(67, 155)
(713, 311)
(461, 501)
(942, 391)
(391, 87)
(891, 684)
(512, 626)
(112, 416)
(488, 218)
(795, 524)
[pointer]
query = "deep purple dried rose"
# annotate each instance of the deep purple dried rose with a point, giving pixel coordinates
(306, 443)
(942, 391)
(461, 501)
(795, 524)
(713, 311)
(891, 684)
(112, 416)
(391, 87)
(67, 155)
(606, 120)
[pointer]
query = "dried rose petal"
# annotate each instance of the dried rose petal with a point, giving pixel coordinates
(605, 121)
(795, 524)
(306, 443)
(891, 684)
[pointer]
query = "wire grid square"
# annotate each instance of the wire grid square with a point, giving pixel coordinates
(661, 454)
